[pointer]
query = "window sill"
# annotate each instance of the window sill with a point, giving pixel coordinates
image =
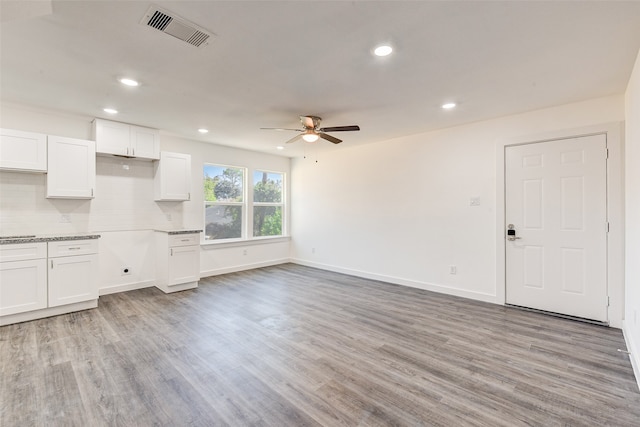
(244, 242)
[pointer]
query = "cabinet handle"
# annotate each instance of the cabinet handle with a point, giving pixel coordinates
(184, 240)
(133, 151)
(52, 264)
(189, 196)
(75, 249)
(127, 151)
(171, 251)
(92, 192)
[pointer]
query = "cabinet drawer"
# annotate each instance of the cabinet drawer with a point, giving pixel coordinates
(73, 247)
(23, 251)
(184, 239)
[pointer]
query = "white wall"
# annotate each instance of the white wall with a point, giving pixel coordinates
(632, 203)
(219, 259)
(123, 211)
(399, 210)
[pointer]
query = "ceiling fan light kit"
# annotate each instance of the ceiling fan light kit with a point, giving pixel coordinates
(310, 136)
(312, 131)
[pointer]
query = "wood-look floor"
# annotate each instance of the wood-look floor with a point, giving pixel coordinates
(295, 346)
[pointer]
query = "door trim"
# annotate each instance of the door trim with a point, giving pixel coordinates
(615, 209)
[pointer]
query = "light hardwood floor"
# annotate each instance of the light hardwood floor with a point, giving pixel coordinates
(295, 346)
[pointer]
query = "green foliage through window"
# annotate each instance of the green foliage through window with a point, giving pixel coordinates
(267, 199)
(223, 194)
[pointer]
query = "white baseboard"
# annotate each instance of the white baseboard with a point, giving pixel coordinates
(47, 312)
(126, 287)
(243, 267)
(634, 351)
(478, 296)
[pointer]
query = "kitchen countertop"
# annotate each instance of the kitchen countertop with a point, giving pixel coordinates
(178, 231)
(9, 240)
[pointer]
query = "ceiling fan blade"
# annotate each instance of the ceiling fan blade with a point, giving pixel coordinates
(294, 139)
(329, 138)
(340, 128)
(297, 130)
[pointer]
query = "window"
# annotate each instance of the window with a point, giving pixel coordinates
(267, 203)
(223, 202)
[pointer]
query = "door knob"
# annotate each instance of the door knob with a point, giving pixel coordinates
(511, 233)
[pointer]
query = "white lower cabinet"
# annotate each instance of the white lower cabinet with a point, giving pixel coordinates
(73, 268)
(45, 279)
(23, 278)
(178, 261)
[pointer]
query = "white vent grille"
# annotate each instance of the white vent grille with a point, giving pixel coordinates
(172, 24)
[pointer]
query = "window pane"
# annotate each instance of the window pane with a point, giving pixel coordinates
(267, 187)
(222, 184)
(223, 221)
(267, 221)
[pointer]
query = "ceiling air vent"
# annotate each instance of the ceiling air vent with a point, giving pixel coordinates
(172, 24)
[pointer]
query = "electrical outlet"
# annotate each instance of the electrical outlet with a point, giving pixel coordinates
(125, 271)
(168, 216)
(453, 269)
(313, 250)
(474, 201)
(244, 252)
(65, 218)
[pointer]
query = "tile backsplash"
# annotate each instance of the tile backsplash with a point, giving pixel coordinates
(123, 201)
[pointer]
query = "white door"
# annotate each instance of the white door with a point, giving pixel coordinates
(556, 252)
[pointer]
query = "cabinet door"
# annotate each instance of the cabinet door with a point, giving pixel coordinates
(72, 168)
(173, 177)
(72, 279)
(145, 142)
(184, 264)
(23, 150)
(112, 137)
(23, 286)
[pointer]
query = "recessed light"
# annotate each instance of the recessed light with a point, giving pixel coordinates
(383, 50)
(129, 82)
(448, 105)
(279, 147)
(203, 130)
(110, 110)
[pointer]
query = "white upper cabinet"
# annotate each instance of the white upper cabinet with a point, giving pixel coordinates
(23, 151)
(145, 142)
(172, 179)
(72, 168)
(122, 139)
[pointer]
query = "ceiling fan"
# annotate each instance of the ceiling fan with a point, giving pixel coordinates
(312, 131)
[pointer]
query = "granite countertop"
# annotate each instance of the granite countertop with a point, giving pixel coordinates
(178, 231)
(9, 240)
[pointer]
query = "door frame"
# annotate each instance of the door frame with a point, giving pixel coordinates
(615, 210)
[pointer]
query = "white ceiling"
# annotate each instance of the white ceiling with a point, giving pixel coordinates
(274, 60)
